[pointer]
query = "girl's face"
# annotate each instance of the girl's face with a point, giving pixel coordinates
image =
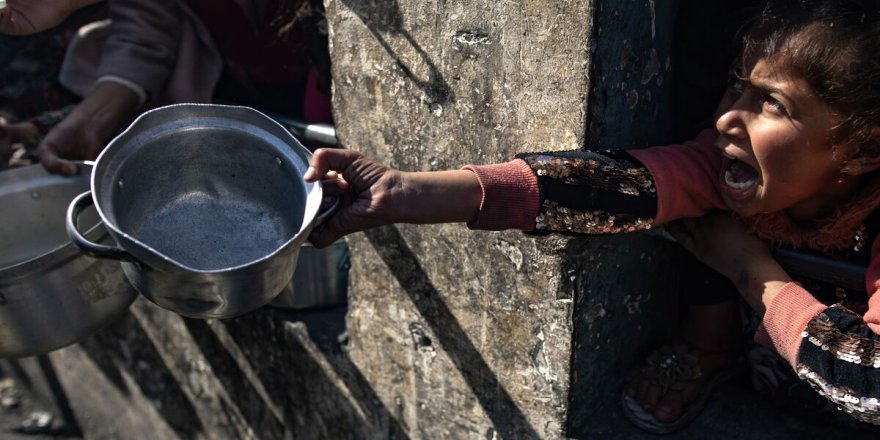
(775, 136)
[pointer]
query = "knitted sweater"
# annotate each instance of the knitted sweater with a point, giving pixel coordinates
(582, 192)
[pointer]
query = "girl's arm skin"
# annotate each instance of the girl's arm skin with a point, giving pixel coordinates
(375, 195)
(725, 245)
(22, 17)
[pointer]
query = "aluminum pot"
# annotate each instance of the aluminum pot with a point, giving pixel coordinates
(320, 280)
(51, 294)
(207, 205)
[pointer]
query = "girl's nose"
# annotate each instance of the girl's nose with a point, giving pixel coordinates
(730, 120)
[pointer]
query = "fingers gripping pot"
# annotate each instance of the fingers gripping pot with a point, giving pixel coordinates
(207, 205)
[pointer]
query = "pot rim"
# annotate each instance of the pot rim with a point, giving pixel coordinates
(313, 195)
(49, 260)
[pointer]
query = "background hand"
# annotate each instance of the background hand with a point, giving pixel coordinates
(15, 133)
(84, 133)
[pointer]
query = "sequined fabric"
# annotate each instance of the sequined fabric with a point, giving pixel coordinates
(608, 175)
(840, 358)
(860, 407)
(587, 192)
(848, 347)
(561, 219)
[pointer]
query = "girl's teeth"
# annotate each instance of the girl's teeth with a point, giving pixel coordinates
(730, 181)
(740, 176)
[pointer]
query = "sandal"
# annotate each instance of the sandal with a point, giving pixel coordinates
(672, 367)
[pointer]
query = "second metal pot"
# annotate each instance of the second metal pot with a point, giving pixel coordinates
(320, 280)
(51, 294)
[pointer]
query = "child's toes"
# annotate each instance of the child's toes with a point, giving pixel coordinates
(670, 408)
(650, 396)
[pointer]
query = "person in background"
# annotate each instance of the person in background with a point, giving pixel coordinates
(23, 17)
(32, 99)
(263, 53)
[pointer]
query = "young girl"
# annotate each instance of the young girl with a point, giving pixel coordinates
(792, 161)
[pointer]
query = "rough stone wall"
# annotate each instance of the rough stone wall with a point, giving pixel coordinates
(472, 332)
(463, 334)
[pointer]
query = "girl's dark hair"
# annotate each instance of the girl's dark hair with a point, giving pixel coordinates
(835, 46)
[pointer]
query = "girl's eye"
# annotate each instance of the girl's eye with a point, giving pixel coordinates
(773, 104)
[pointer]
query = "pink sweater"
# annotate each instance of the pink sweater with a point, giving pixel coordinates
(685, 176)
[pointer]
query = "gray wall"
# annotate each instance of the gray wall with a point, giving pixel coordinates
(475, 332)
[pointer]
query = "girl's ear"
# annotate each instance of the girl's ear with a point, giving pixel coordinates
(867, 158)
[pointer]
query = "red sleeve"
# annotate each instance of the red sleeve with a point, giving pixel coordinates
(510, 196)
(686, 177)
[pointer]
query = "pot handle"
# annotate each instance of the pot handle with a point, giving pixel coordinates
(323, 216)
(76, 207)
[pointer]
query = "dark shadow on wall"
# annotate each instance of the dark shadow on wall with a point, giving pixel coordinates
(141, 361)
(385, 18)
(705, 43)
(301, 389)
(507, 419)
(309, 401)
(250, 404)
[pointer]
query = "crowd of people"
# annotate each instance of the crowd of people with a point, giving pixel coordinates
(790, 160)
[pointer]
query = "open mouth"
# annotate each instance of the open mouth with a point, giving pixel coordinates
(739, 180)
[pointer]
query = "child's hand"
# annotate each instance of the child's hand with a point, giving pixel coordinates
(721, 242)
(366, 188)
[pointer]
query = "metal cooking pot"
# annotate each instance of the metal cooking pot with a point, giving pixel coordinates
(51, 294)
(207, 205)
(320, 280)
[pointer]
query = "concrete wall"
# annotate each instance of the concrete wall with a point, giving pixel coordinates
(476, 333)
(462, 333)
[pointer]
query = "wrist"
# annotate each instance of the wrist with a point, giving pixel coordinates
(105, 110)
(437, 197)
(765, 278)
(113, 96)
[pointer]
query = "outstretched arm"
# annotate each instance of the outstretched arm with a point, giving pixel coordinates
(569, 192)
(375, 195)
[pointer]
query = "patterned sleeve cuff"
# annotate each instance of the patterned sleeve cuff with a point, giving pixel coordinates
(510, 196)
